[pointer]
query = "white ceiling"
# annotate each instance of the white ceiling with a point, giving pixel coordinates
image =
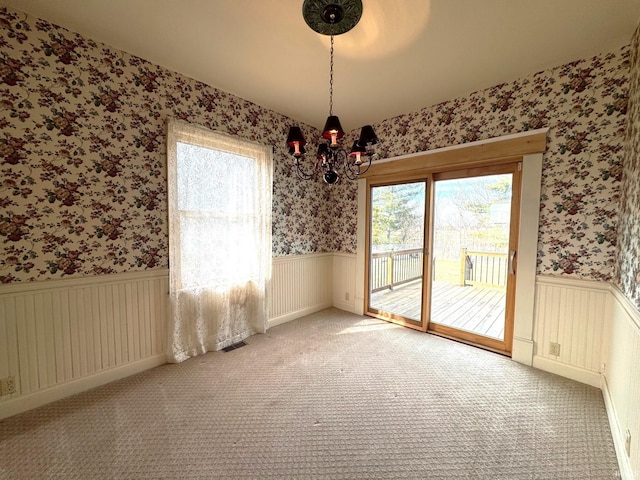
(402, 56)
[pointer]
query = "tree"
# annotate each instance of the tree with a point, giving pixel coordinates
(472, 209)
(398, 214)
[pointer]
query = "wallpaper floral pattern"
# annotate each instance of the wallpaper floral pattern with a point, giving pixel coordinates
(83, 156)
(584, 105)
(628, 272)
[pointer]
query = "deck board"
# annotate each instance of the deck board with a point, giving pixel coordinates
(472, 308)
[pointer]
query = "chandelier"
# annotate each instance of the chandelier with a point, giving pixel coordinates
(332, 17)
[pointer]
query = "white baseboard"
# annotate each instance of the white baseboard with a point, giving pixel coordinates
(624, 463)
(298, 313)
(567, 371)
(346, 306)
(21, 404)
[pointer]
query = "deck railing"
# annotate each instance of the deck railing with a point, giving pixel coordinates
(488, 269)
(390, 269)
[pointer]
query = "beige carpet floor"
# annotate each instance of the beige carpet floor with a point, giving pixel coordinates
(329, 396)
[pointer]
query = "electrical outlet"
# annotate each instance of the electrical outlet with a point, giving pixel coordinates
(346, 296)
(627, 442)
(554, 349)
(7, 386)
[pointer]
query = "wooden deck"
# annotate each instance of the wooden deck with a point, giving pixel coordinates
(472, 308)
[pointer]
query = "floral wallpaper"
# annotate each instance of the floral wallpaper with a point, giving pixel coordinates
(628, 254)
(83, 156)
(584, 105)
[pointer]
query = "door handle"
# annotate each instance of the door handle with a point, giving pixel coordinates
(512, 257)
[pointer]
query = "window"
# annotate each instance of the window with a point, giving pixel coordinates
(219, 237)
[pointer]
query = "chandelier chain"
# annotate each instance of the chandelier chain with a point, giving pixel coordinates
(331, 80)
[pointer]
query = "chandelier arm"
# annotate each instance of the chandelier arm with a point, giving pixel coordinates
(339, 157)
(303, 174)
(353, 170)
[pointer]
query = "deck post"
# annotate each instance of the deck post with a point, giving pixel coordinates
(463, 267)
(390, 271)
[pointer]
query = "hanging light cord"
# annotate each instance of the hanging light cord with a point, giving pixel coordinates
(331, 81)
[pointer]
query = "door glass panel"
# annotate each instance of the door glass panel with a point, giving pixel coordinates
(471, 253)
(396, 250)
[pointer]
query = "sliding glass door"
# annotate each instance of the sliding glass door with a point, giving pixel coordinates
(396, 248)
(467, 221)
(474, 254)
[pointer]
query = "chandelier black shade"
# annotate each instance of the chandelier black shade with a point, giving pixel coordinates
(332, 129)
(295, 136)
(295, 142)
(367, 136)
(332, 17)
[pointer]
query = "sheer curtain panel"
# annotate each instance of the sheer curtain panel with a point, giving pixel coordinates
(219, 238)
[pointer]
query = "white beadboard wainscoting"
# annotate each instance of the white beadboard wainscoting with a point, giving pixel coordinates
(621, 382)
(300, 285)
(574, 314)
(598, 330)
(61, 337)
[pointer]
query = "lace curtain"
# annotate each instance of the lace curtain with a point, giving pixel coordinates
(219, 239)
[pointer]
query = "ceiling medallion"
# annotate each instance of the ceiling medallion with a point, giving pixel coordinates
(332, 17)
